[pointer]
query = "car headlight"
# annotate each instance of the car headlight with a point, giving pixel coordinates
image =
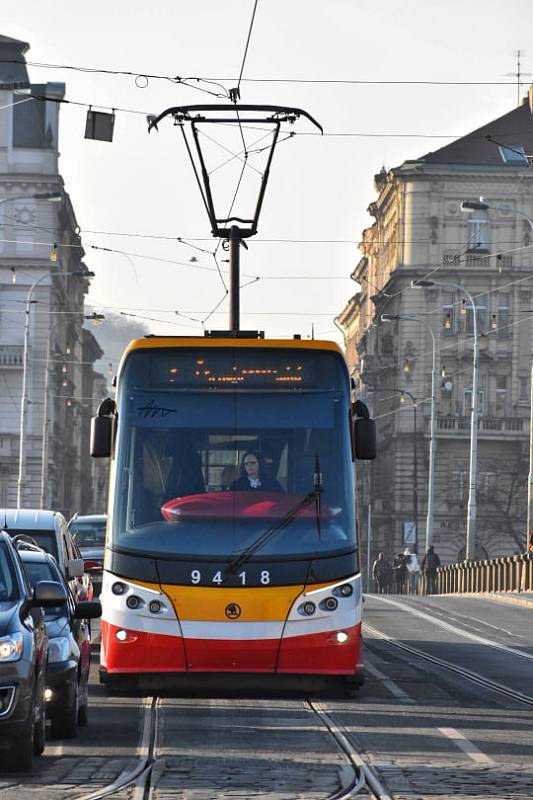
(11, 647)
(58, 649)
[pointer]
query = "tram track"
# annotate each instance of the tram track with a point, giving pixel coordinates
(470, 675)
(137, 777)
(136, 782)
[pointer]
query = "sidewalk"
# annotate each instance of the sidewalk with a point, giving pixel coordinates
(524, 599)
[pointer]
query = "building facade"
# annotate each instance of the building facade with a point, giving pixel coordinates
(44, 394)
(421, 232)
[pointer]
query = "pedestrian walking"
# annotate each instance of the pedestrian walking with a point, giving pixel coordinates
(382, 574)
(399, 568)
(413, 568)
(430, 564)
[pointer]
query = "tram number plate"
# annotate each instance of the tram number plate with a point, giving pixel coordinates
(217, 577)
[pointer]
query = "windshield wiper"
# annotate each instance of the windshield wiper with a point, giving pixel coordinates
(314, 495)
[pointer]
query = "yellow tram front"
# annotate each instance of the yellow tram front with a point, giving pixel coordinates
(231, 541)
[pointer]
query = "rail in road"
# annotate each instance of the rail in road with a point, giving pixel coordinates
(445, 713)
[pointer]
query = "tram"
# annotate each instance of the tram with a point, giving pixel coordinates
(210, 568)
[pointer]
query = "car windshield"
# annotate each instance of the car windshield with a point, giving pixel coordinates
(8, 583)
(43, 571)
(214, 448)
(88, 534)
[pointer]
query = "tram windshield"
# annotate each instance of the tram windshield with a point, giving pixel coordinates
(224, 449)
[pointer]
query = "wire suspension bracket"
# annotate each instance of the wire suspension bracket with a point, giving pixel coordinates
(231, 228)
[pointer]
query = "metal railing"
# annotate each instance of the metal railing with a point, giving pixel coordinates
(11, 355)
(485, 424)
(506, 574)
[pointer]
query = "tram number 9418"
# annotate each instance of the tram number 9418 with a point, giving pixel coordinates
(217, 577)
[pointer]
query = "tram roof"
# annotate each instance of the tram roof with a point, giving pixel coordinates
(152, 342)
(163, 342)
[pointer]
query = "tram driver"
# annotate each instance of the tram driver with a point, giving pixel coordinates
(254, 475)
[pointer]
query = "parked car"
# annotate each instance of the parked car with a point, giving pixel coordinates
(50, 531)
(88, 532)
(69, 646)
(23, 656)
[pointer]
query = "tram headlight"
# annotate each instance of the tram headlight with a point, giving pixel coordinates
(329, 604)
(346, 590)
(155, 607)
(307, 609)
(134, 602)
(119, 588)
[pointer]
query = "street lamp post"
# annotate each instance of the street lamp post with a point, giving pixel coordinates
(44, 444)
(23, 398)
(53, 197)
(413, 400)
(432, 423)
(472, 490)
(480, 205)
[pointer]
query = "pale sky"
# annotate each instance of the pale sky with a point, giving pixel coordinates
(320, 188)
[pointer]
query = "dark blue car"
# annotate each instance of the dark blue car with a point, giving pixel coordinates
(23, 657)
(69, 646)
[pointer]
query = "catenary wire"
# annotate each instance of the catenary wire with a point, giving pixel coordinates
(209, 79)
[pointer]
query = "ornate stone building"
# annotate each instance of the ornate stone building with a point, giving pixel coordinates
(42, 290)
(421, 232)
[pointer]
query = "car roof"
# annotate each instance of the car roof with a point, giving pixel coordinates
(88, 518)
(30, 518)
(37, 556)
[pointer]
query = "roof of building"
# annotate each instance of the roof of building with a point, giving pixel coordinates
(15, 43)
(13, 73)
(484, 146)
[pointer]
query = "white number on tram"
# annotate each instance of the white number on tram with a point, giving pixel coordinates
(217, 577)
(196, 576)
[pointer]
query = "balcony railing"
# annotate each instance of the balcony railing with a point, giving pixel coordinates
(485, 425)
(11, 355)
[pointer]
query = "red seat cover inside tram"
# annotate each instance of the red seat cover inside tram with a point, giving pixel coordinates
(251, 504)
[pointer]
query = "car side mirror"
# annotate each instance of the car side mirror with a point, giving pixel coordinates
(102, 429)
(49, 594)
(364, 433)
(87, 609)
(75, 568)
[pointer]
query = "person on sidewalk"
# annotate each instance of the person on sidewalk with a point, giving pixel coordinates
(399, 568)
(413, 568)
(382, 574)
(430, 564)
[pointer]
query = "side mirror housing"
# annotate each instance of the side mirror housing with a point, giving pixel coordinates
(87, 609)
(48, 594)
(102, 429)
(75, 568)
(364, 433)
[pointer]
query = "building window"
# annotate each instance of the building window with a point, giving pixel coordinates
(467, 402)
(513, 154)
(523, 389)
(478, 233)
(481, 317)
(501, 395)
(503, 315)
(486, 483)
(459, 480)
